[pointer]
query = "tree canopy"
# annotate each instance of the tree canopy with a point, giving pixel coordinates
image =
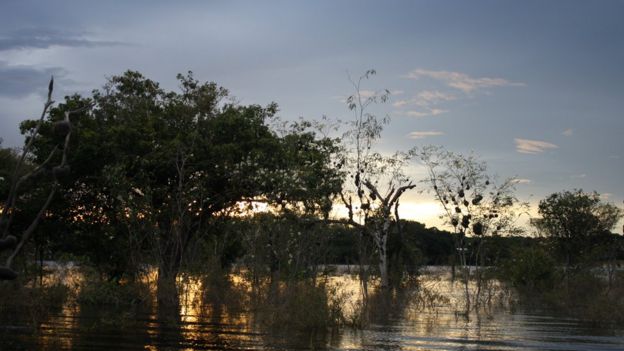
(573, 218)
(151, 166)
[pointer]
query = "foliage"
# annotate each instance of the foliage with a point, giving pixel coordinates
(531, 269)
(24, 173)
(573, 220)
(284, 246)
(306, 175)
(473, 206)
(583, 295)
(8, 161)
(27, 302)
(154, 169)
(303, 307)
(113, 294)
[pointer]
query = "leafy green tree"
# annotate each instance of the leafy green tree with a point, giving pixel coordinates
(529, 268)
(573, 219)
(305, 176)
(169, 162)
(153, 169)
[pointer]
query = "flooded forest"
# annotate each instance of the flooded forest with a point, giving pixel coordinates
(141, 218)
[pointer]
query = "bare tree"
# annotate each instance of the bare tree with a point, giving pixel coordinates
(375, 182)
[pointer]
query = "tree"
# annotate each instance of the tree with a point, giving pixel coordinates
(572, 219)
(26, 172)
(305, 177)
(154, 169)
(473, 205)
(375, 182)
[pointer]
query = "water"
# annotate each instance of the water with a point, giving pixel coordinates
(220, 319)
(517, 332)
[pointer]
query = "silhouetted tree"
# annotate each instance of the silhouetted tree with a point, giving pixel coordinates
(473, 206)
(572, 219)
(23, 172)
(154, 169)
(375, 182)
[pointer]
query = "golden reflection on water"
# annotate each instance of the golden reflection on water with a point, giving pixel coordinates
(219, 315)
(55, 332)
(206, 316)
(349, 290)
(191, 305)
(429, 316)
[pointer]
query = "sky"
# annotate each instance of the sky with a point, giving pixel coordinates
(533, 87)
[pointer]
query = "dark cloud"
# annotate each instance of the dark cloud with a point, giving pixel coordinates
(19, 81)
(43, 38)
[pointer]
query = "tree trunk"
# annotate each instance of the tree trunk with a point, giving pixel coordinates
(168, 268)
(363, 273)
(383, 269)
(167, 292)
(168, 310)
(382, 246)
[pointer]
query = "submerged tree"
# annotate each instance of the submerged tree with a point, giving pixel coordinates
(375, 182)
(155, 169)
(474, 206)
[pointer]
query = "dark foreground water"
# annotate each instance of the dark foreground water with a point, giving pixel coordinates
(220, 323)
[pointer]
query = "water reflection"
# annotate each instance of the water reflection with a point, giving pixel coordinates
(219, 314)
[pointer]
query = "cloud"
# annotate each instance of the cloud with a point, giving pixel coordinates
(521, 181)
(400, 103)
(579, 176)
(568, 132)
(426, 98)
(432, 97)
(21, 80)
(424, 134)
(527, 146)
(423, 113)
(43, 38)
(461, 81)
(426, 102)
(429, 102)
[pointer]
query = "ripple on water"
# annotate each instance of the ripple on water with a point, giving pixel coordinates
(201, 324)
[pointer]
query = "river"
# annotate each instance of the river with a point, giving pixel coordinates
(220, 322)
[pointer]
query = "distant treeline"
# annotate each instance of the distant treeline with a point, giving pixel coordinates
(414, 246)
(435, 247)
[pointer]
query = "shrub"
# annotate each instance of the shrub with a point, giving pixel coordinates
(529, 269)
(303, 306)
(113, 293)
